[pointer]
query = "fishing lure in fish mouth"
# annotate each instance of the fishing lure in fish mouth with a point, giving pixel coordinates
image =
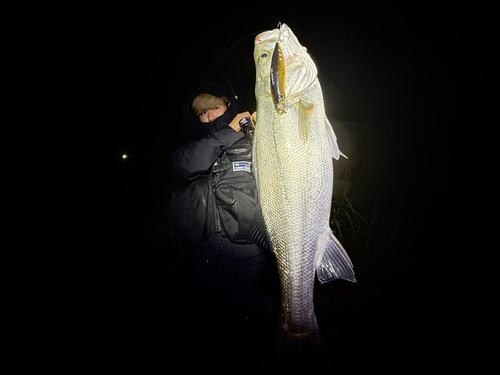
(278, 74)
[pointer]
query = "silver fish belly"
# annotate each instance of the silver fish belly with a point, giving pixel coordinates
(293, 149)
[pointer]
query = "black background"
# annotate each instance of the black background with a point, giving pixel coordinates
(393, 78)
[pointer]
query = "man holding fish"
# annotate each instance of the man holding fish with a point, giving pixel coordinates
(212, 220)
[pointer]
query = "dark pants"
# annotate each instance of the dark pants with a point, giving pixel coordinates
(233, 310)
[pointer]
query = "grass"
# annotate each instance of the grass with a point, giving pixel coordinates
(364, 235)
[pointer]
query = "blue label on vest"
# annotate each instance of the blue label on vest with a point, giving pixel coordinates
(241, 166)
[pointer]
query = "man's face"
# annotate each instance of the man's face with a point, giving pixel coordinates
(212, 114)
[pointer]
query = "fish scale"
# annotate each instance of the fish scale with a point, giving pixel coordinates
(282, 197)
(293, 149)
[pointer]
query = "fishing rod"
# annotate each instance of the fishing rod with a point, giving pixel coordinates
(220, 65)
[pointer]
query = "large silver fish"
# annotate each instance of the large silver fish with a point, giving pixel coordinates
(294, 144)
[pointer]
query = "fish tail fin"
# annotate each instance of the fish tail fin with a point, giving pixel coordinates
(335, 263)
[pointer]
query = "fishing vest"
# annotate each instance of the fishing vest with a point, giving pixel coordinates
(224, 201)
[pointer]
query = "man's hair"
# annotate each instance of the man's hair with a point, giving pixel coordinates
(204, 102)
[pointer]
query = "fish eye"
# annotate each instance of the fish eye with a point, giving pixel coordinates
(263, 56)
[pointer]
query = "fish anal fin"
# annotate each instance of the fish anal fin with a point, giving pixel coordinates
(334, 263)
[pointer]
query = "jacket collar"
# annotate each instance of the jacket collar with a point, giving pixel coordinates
(209, 128)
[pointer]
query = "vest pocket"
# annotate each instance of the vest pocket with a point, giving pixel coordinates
(236, 200)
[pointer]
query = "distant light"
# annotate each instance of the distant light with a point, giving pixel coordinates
(124, 156)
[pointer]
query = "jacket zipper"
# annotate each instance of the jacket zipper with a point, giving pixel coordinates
(215, 181)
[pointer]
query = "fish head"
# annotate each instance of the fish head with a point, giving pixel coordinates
(284, 69)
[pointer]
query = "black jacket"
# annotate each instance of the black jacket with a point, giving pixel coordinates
(195, 158)
(217, 205)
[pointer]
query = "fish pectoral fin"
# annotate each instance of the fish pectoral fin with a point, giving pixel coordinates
(306, 111)
(335, 263)
(332, 141)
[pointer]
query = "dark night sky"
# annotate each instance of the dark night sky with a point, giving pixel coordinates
(392, 78)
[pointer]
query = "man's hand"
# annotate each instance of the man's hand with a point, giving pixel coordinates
(235, 124)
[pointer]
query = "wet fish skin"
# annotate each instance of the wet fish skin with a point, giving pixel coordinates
(293, 148)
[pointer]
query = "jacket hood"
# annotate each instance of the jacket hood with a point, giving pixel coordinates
(209, 88)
